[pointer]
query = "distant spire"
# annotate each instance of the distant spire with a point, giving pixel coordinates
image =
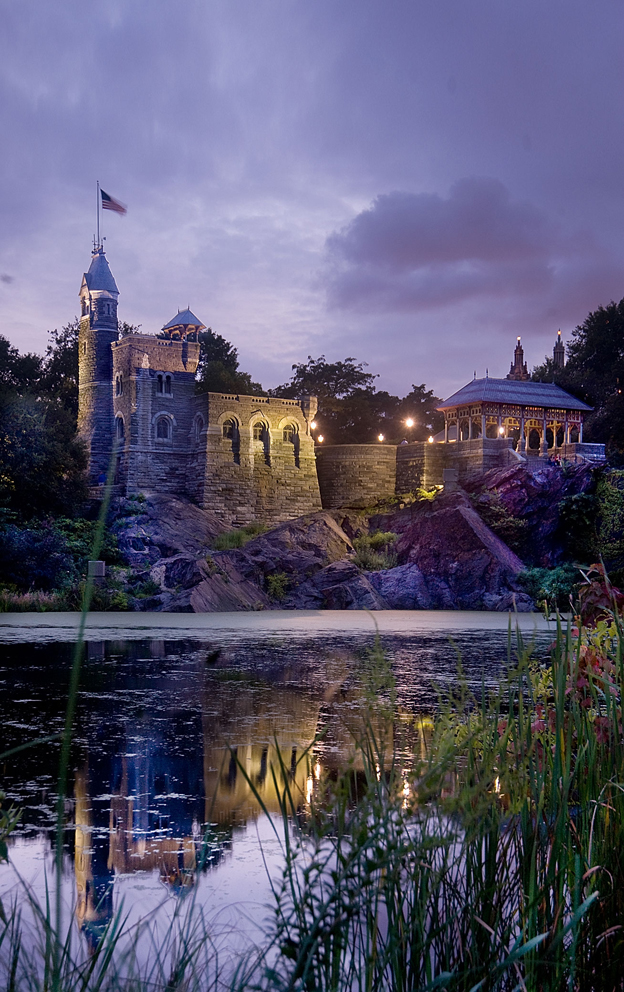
(518, 368)
(559, 352)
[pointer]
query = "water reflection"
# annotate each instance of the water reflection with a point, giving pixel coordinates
(177, 741)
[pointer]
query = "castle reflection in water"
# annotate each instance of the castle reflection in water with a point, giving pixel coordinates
(166, 793)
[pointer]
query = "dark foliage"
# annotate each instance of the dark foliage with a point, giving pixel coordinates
(50, 554)
(42, 462)
(34, 558)
(59, 378)
(218, 370)
(594, 372)
(351, 411)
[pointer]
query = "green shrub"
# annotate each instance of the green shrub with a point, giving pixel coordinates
(237, 538)
(277, 585)
(551, 587)
(373, 551)
(495, 514)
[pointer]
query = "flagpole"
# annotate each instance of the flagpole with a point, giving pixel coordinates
(97, 209)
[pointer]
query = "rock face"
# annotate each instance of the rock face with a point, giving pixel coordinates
(535, 496)
(447, 559)
(162, 526)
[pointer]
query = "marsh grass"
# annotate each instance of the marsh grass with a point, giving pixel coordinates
(480, 850)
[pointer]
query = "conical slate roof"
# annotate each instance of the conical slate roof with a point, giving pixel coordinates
(184, 318)
(99, 275)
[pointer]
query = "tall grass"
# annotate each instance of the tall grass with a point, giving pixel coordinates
(479, 850)
(496, 861)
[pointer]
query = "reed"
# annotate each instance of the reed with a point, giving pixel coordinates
(482, 849)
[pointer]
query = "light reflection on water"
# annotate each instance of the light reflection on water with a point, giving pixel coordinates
(164, 729)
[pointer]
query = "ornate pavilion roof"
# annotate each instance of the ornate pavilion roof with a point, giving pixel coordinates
(540, 394)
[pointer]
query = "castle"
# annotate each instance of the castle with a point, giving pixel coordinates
(243, 457)
(253, 457)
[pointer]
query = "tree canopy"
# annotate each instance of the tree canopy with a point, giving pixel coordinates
(218, 370)
(42, 462)
(594, 372)
(352, 411)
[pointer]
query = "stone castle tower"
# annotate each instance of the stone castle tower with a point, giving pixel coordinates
(559, 352)
(243, 457)
(98, 331)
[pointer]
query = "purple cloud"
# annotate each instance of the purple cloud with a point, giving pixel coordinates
(411, 251)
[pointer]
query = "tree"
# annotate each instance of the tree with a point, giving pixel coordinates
(42, 462)
(594, 372)
(331, 380)
(59, 377)
(351, 411)
(18, 373)
(218, 369)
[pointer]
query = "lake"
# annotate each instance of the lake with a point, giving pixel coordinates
(182, 722)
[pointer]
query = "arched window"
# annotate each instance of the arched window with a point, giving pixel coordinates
(163, 428)
(168, 385)
(289, 433)
(119, 425)
(159, 383)
(232, 433)
(262, 434)
(198, 428)
(119, 385)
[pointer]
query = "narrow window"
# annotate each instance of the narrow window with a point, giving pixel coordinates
(261, 433)
(290, 435)
(199, 426)
(120, 428)
(159, 384)
(84, 347)
(163, 428)
(168, 385)
(232, 433)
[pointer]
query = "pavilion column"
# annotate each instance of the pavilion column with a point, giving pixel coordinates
(483, 426)
(544, 444)
(522, 440)
(470, 427)
(566, 430)
(581, 432)
(445, 430)
(500, 421)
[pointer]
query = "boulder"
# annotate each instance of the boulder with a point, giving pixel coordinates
(162, 527)
(448, 559)
(533, 494)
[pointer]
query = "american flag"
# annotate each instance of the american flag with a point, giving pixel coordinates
(110, 203)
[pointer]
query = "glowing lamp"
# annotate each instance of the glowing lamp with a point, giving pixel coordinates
(313, 425)
(501, 431)
(409, 422)
(431, 439)
(320, 439)
(380, 437)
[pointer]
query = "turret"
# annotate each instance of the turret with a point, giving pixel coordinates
(559, 352)
(518, 369)
(98, 330)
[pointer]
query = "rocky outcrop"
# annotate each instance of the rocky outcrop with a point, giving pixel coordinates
(154, 527)
(535, 496)
(447, 559)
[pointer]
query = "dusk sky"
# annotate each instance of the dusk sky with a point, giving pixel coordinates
(409, 182)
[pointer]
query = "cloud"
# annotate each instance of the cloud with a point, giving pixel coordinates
(412, 251)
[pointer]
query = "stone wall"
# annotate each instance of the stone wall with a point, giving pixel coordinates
(419, 465)
(155, 442)
(356, 475)
(259, 457)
